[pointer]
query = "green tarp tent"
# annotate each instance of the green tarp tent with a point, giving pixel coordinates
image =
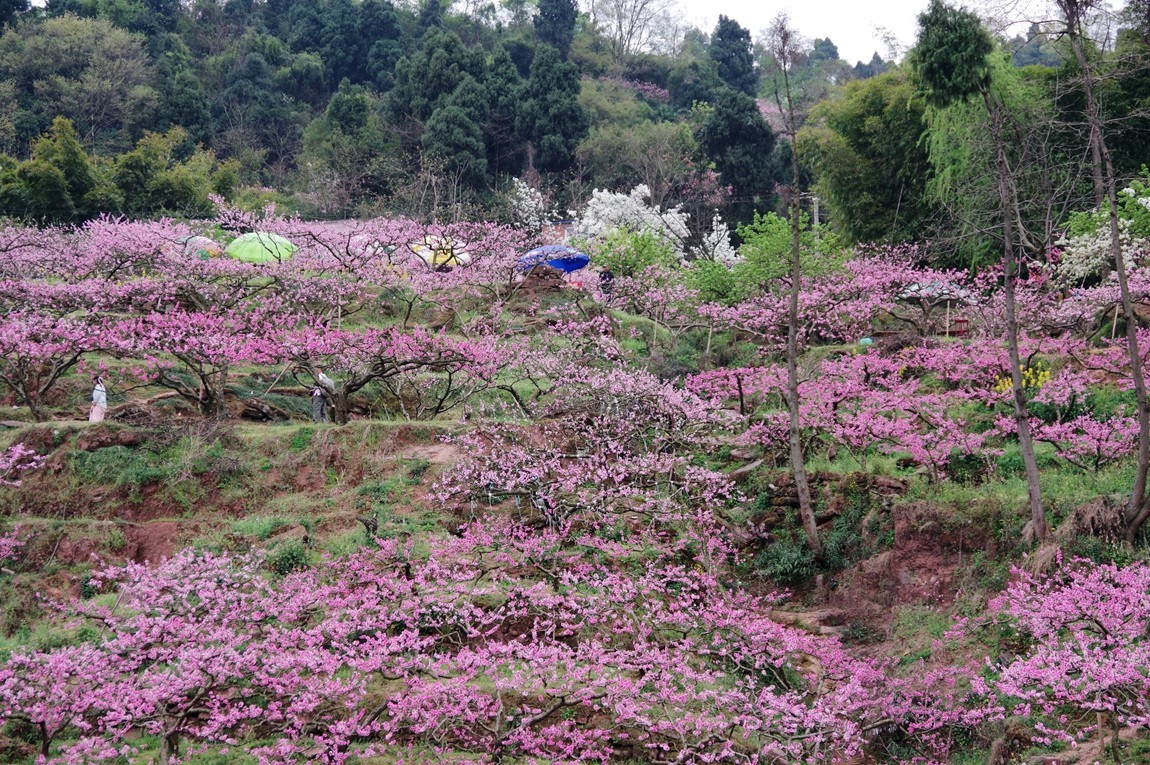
(260, 247)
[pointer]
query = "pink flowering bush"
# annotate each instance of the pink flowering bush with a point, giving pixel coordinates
(1081, 672)
(499, 642)
(17, 459)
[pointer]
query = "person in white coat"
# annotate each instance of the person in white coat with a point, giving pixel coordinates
(99, 400)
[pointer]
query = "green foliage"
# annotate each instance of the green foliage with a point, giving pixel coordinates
(714, 281)
(657, 154)
(301, 439)
(260, 527)
(431, 74)
(950, 59)
(766, 252)
(555, 24)
(738, 140)
(694, 82)
(1135, 214)
(550, 116)
(287, 557)
(870, 159)
(454, 133)
(629, 253)
(730, 49)
(962, 161)
(87, 70)
(787, 561)
(1108, 401)
(118, 465)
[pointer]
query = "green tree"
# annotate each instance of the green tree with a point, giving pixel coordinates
(951, 65)
(551, 118)
(656, 154)
(304, 79)
(454, 134)
(431, 74)
(381, 40)
(693, 82)
(340, 42)
(505, 150)
(870, 158)
(41, 194)
(9, 9)
(630, 253)
(60, 147)
(183, 101)
(738, 141)
(555, 24)
(256, 121)
(305, 27)
(824, 49)
(730, 49)
(951, 58)
(87, 70)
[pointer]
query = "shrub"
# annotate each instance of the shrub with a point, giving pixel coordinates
(288, 557)
(260, 527)
(787, 561)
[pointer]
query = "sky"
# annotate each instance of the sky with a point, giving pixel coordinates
(855, 26)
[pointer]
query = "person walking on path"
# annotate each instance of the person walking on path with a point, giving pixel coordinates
(99, 400)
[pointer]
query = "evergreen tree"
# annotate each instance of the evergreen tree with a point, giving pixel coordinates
(253, 115)
(739, 141)
(432, 73)
(454, 133)
(876, 67)
(41, 194)
(950, 60)
(60, 147)
(304, 79)
(504, 87)
(550, 116)
(9, 10)
(381, 41)
(823, 49)
(348, 108)
(555, 24)
(694, 82)
(340, 42)
(730, 49)
(871, 159)
(305, 28)
(183, 100)
(431, 14)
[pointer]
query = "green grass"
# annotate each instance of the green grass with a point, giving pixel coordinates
(260, 527)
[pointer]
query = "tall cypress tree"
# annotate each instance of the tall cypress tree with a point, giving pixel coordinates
(555, 24)
(550, 116)
(454, 133)
(730, 49)
(504, 88)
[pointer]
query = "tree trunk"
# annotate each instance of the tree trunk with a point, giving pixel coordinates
(340, 407)
(1009, 267)
(798, 464)
(36, 407)
(1137, 508)
(169, 747)
(221, 407)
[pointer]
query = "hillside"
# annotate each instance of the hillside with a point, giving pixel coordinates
(556, 519)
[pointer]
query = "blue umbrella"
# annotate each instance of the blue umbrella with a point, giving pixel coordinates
(558, 256)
